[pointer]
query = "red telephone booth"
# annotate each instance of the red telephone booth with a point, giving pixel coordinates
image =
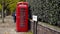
(22, 17)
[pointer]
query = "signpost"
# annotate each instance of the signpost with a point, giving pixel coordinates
(35, 24)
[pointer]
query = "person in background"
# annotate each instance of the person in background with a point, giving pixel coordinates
(30, 17)
(14, 16)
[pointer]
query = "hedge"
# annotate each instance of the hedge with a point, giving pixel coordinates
(46, 10)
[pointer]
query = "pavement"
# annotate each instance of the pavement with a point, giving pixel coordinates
(8, 27)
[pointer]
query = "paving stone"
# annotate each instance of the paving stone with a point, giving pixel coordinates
(9, 26)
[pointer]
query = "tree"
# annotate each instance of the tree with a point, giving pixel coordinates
(8, 5)
(0, 7)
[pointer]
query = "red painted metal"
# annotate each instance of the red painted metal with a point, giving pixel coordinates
(22, 17)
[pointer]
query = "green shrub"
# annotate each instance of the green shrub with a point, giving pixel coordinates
(46, 10)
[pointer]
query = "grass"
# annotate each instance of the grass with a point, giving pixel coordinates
(29, 32)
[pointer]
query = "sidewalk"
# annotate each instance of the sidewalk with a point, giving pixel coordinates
(9, 27)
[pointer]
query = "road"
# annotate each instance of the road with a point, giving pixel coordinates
(8, 27)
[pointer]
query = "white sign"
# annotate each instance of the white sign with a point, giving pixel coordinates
(34, 17)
